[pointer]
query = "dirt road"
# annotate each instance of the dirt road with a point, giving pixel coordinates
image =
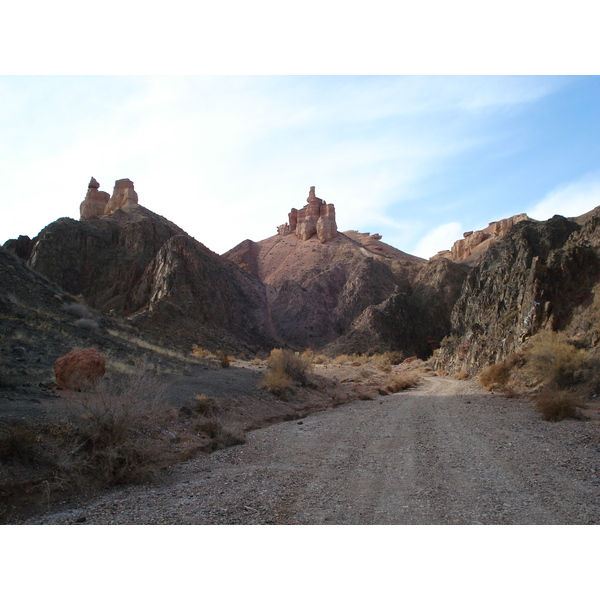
(444, 453)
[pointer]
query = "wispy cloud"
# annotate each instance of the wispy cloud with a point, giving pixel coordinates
(569, 200)
(227, 157)
(440, 238)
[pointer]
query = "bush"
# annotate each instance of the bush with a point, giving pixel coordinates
(86, 323)
(200, 352)
(78, 310)
(223, 358)
(288, 363)
(497, 374)
(109, 420)
(276, 382)
(552, 359)
(19, 442)
(461, 375)
(204, 405)
(555, 405)
(320, 359)
(401, 381)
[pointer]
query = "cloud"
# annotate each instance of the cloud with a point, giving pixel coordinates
(440, 238)
(569, 200)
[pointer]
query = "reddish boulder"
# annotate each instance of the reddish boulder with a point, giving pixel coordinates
(79, 369)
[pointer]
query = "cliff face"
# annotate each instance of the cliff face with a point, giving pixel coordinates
(475, 243)
(136, 264)
(353, 293)
(541, 275)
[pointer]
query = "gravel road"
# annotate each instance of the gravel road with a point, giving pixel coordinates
(443, 453)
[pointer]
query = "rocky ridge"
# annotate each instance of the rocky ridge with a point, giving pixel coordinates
(540, 276)
(474, 243)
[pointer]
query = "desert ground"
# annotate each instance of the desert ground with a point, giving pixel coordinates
(444, 452)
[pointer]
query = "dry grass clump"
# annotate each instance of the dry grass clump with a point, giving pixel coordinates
(461, 375)
(554, 404)
(223, 358)
(496, 375)
(320, 359)
(78, 310)
(290, 363)
(220, 436)
(401, 380)
(552, 359)
(385, 361)
(284, 367)
(203, 405)
(108, 427)
(200, 352)
(18, 442)
(276, 382)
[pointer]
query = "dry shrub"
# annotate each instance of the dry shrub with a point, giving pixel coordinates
(496, 375)
(289, 363)
(401, 381)
(551, 359)
(86, 323)
(219, 435)
(109, 421)
(320, 359)
(19, 442)
(78, 310)
(342, 359)
(204, 405)
(385, 361)
(200, 352)
(223, 358)
(461, 375)
(276, 382)
(554, 404)
(256, 361)
(308, 355)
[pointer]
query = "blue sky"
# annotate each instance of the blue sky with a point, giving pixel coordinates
(416, 159)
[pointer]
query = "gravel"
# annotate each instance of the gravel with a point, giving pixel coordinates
(443, 453)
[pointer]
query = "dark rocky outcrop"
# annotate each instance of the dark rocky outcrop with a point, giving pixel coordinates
(541, 275)
(136, 264)
(353, 294)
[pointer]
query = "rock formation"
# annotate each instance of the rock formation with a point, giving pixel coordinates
(95, 202)
(98, 204)
(476, 242)
(79, 369)
(140, 266)
(316, 217)
(541, 275)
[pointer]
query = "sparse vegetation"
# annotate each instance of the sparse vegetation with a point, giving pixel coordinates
(402, 380)
(554, 404)
(200, 352)
(223, 358)
(462, 374)
(284, 367)
(204, 405)
(109, 419)
(78, 310)
(552, 359)
(290, 363)
(86, 323)
(496, 375)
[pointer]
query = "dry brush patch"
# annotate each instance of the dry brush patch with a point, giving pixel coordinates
(555, 404)
(283, 368)
(496, 375)
(402, 380)
(552, 359)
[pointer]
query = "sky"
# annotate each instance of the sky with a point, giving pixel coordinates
(417, 159)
